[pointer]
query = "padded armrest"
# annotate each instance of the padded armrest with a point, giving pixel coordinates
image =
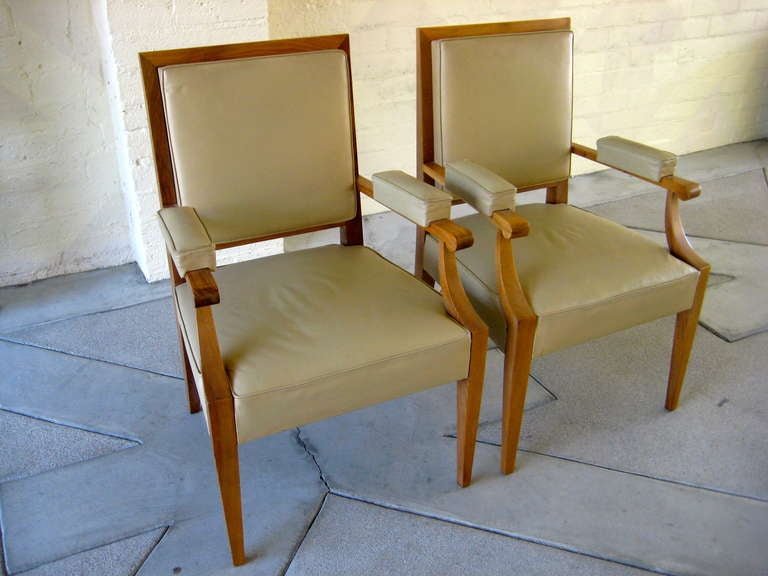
(187, 239)
(409, 197)
(483, 189)
(635, 158)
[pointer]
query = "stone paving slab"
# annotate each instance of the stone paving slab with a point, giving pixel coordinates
(339, 543)
(610, 409)
(391, 454)
(121, 558)
(141, 336)
(31, 445)
(74, 295)
(168, 478)
(732, 208)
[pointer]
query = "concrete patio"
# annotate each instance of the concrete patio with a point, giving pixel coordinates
(104, 472)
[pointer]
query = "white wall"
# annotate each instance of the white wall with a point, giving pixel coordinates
(60, 204)
(684, 75)
(127, 27)
(77, 184)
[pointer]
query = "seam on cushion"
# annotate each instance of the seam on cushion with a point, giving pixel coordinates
(618, 296)
(348, 370)
(162, 220)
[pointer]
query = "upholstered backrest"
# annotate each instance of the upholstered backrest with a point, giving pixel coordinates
(505, 102)
(263, 145)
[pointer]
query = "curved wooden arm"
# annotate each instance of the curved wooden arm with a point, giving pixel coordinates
(454, 237)
(510, 224)
(513, 301)
(685, 189)
(204, 288)
(677, 241)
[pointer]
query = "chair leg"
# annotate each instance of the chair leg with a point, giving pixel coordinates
(518, 355)
(469, 393)
(192, 396)
(224, 440)
(685, 333)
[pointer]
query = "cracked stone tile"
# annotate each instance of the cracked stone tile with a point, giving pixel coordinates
(74, 295)
(732, 208)
(31, 445)
(166, 480)
(339, 543)
(394, 454)
(141, 336)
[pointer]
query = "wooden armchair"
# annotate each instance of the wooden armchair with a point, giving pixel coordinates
(494, 119)
(257, 141)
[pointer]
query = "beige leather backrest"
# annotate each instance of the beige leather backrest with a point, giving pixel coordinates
(262, 145)
(505, 102)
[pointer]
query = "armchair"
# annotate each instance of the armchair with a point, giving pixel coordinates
(494, 119)
(256, 141)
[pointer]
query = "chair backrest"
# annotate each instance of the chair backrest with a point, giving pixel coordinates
(499, 95)
(258, 138)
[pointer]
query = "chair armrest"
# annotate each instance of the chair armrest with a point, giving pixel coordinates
(510, 224)
(684, 189)
(635, 158)
(415, 200)
(482, 188)
(187, 240)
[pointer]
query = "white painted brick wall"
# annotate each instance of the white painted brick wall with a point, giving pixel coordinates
(128, 27)
(61, 210)
(684, 75)
(680, 74)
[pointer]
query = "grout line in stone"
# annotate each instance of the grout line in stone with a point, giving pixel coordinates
(303, 537)
(710, 238)
(514, 535)
(148, 554)
(84, 357)
(82, 315)
(81, 427)
(637, 474)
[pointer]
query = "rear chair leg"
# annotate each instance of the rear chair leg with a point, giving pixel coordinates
(192, 396)
(517, 364)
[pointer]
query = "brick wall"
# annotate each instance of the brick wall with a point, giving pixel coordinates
(60, 204)
(682, 75)
(77, 183)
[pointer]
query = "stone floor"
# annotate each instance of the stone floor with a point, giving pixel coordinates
(103, 471)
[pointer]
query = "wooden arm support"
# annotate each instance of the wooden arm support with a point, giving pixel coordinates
(364, 186)
(510, 224)
(435, 171)
(204, 288)
(685, 189)
(454, 237)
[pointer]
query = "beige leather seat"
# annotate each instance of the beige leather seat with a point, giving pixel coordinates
(495, 120)
(256, 141)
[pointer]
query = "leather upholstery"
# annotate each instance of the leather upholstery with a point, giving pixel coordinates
(411, 198)
(233, 129)
(481, 85)
(481, 188)
(307, 335)
(636, 158)
(187, 240)
(583, 275)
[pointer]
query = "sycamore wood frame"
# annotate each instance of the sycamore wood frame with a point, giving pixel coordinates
(520, 318)
(216, 384)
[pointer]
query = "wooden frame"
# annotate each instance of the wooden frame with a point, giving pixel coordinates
(520, 318)
(215, 384)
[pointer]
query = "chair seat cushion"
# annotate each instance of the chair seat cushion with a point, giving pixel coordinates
(583, 275)
(307, 335)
